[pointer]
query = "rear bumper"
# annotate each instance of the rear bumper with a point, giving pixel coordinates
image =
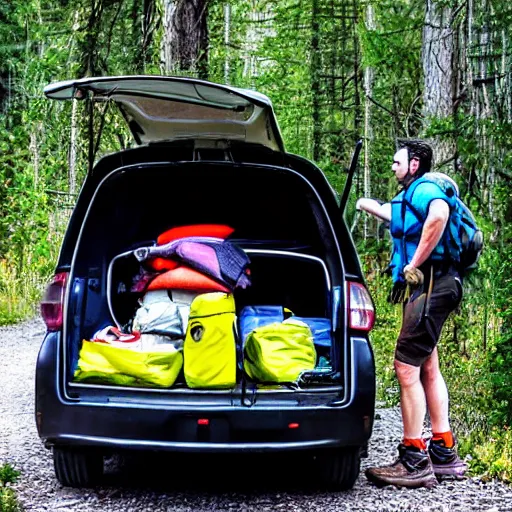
(130, 423)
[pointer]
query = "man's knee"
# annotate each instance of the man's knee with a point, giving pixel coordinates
(407, 374)
(430, 369)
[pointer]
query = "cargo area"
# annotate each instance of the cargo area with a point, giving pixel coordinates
(278, 221)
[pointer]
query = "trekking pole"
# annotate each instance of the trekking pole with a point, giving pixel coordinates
(350, 175)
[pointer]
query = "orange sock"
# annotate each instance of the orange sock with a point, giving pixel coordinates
(447, 437)
(417, 443)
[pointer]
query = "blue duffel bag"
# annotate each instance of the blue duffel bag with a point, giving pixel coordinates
(252, 317)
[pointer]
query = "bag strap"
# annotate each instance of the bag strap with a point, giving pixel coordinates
(104, 335)
(408, 201)
(446, 235)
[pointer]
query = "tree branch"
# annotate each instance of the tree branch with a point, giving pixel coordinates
(380, 106)
(505, 174)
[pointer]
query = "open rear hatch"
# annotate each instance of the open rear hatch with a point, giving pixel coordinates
(160, 108)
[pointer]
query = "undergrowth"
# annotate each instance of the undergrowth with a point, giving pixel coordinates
(8, 499)
(20, 293)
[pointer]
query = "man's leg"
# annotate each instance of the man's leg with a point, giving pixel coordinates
(412, 399)
(416, 343)
(445, 461)
(413, 467)
(436, 393)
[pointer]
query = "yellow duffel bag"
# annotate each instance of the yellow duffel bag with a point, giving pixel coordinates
(102, 363)
(209, 350)
(279, 352)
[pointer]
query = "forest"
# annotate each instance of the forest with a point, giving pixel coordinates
(336, 71)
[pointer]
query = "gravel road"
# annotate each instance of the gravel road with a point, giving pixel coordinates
(196, 484)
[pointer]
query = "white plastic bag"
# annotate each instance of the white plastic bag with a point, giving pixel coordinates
(158, 314)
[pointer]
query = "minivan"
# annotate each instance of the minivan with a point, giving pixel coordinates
(205, 153)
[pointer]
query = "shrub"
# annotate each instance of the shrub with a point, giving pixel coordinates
(8, 500)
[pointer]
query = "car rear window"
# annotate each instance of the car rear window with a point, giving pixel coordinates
(168, 109)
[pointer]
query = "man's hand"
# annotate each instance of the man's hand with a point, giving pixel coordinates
(375, 208)
(413, 276)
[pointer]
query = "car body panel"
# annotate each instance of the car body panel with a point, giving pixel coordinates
(169, 108)
(164, 424)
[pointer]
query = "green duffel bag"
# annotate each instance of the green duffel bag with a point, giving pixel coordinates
(210, 347)
(279, 352)
(102, 363)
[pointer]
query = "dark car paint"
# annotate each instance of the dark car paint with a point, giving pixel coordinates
(112, 421)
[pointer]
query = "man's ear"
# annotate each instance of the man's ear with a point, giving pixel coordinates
(414, 165)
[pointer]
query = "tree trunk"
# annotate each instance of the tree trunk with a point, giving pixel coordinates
(368, 82)
(227, 29)
(35, 156)
(185, 42)
(437, 56)
(89, 65)
(358, 111)
(506, 76)
(143, 26)
(315, 79)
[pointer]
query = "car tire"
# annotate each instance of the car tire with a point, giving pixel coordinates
(77, 467)
(338, 469)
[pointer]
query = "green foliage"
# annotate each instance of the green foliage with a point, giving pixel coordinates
(8, 500)
(490, 451)
(302, 55)
(36, 194)
(394, 44)
(19, 292)
(500, 357)
(8, 475)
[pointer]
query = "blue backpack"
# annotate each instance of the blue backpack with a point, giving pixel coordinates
(463, 240)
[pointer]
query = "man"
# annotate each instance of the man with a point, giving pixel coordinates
(429, 286)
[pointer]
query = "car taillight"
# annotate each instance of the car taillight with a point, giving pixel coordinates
(52, 304)
(361, 313)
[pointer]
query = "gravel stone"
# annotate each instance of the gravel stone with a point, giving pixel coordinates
(203, 483)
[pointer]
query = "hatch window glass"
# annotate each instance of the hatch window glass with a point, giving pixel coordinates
(167, 109)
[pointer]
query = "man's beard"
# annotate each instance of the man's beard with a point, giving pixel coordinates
(407, 179)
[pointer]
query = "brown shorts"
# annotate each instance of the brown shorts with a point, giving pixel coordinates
(421, 326)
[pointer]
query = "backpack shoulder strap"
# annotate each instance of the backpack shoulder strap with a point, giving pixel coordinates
(408, 195)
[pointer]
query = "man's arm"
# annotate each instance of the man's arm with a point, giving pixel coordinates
(433, 229)
(381, 211)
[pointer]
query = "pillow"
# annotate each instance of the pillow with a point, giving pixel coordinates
(186, 278)
(159, 264)
(215, 230)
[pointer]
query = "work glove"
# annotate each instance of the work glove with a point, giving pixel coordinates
(397, 293)
(413, 276)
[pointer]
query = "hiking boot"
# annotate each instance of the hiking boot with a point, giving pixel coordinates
(445, 461)
(412, 469)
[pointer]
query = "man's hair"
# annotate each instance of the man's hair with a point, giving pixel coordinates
(417, 148)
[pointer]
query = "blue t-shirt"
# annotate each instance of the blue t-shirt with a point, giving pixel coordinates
(407, 219)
